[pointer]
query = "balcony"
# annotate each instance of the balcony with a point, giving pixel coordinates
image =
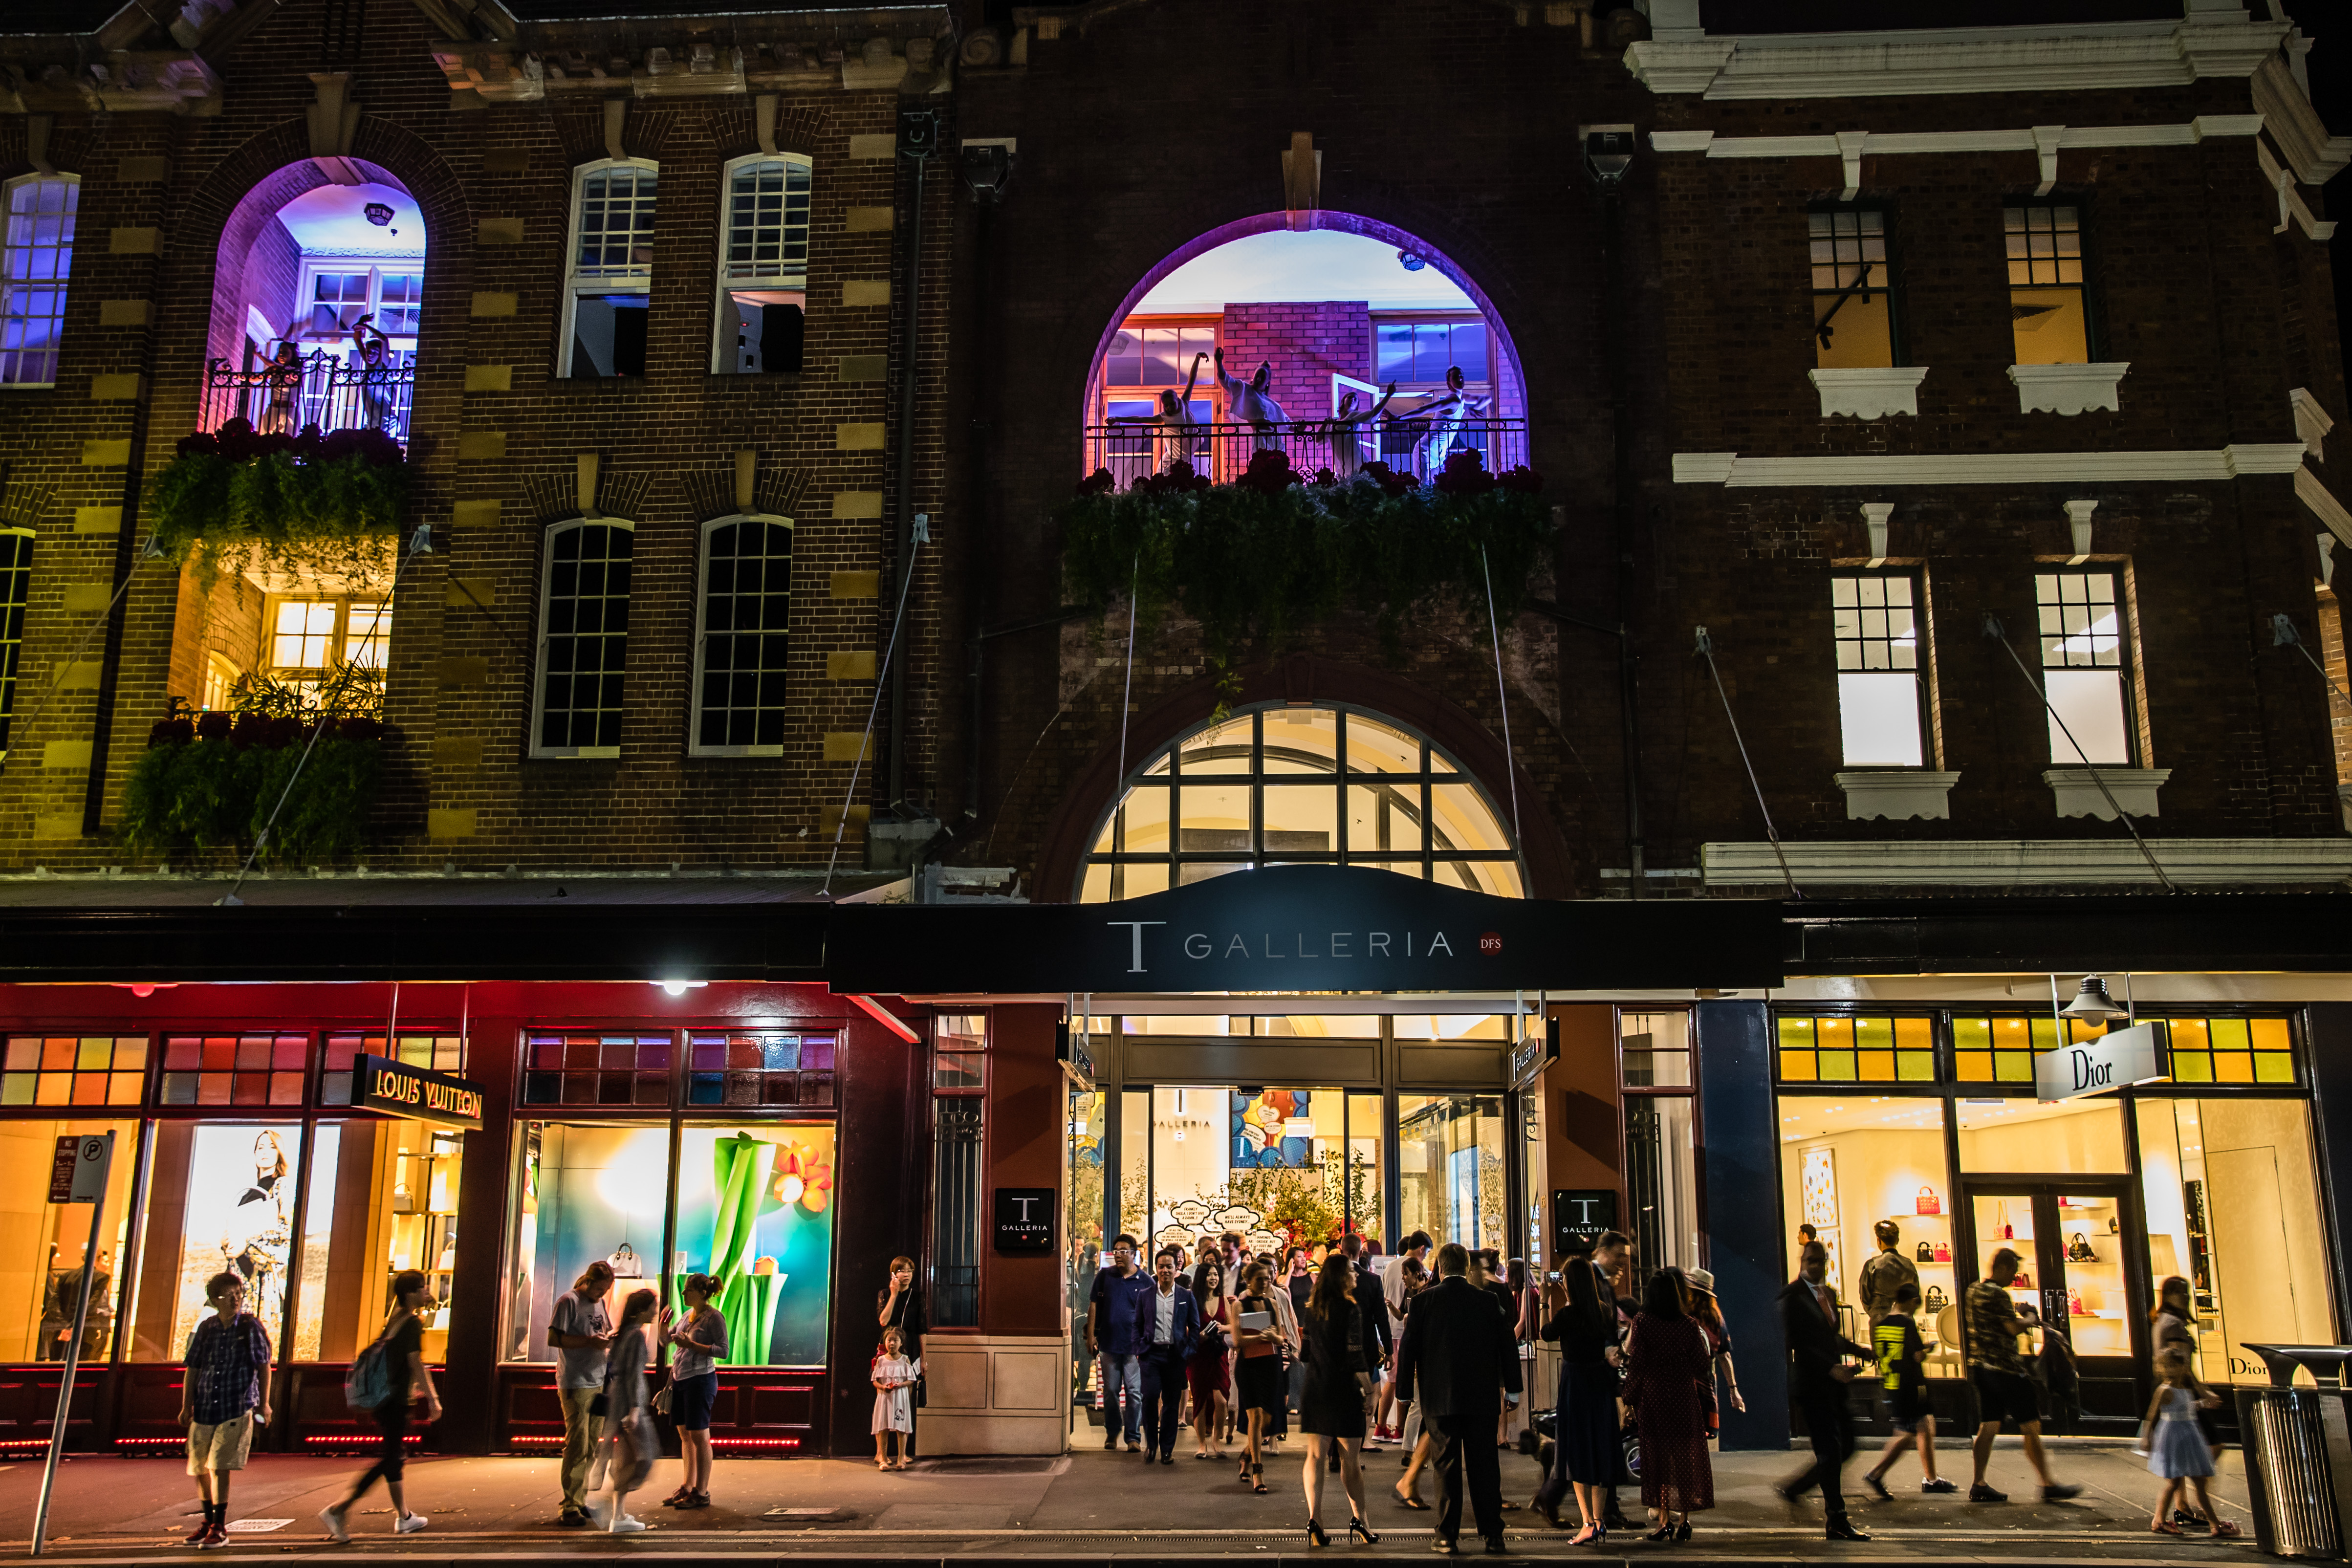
(1412, 446)
(326, 390)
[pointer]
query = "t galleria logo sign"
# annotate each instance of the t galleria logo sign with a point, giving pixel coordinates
(1200, 947)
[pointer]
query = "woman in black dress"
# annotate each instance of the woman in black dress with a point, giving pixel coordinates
(1586, 1425)
(1332, 1411)
(1257, 1370)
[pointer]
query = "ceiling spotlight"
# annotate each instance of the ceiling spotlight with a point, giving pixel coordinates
(680, 987)
(377, 214)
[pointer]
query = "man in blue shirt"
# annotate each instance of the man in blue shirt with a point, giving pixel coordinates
(223, 1395)
(1111, 1310)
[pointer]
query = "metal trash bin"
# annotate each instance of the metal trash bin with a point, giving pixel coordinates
(2298, 1447)
(2287, 1474)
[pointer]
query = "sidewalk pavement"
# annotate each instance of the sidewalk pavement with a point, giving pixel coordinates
(1085, 1505)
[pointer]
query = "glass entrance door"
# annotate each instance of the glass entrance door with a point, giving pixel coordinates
(2071, 1244)
(1277, 1166)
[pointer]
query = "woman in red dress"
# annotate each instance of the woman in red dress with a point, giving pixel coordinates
(1668, 1356)
(1206, 1371)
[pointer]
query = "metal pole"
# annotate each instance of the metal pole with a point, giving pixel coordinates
(72, 1363)
(910, 349)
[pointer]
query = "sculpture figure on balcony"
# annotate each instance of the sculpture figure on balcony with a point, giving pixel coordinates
(1450, 409)
(1178, 429)
(1347, 445)
(375, 365)
(281, 381)
(1249, 403)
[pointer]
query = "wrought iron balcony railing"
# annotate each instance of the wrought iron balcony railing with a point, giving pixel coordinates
(1417, 446)
(325, 389)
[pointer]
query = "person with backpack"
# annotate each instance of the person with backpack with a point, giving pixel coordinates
(382, 1380)
(224, 1396)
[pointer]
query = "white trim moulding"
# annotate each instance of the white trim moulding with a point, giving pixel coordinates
(2025, 862)
(2323, 504)
(1897, 792)
(2068, 388)
(2045, 138)
(2233, 462)
(2077, 793)
(1872, 391)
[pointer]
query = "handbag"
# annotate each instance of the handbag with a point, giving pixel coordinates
(1926, 1253)
(660, 1400)
(626, 1263)
(1929, 1202)
(1943, 1252)
(1935, 1301)
(2079, 1250)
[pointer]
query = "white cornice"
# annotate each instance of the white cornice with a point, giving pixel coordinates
(2024, 862)
(2292, 209)
(2057, 58)
(2020, 139)
(1737, 472)
(2323, 504)
(2314, 155)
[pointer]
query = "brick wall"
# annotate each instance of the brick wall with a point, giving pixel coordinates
(1307, 343)
(273, 278)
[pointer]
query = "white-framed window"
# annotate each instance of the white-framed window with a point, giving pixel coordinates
(337, 290)
(308, 635)
(609, 273)
(2084, 667)
(1882, 680)
(35, 261)
(743, 635)
(16, 589)
(583, 638)
(763, 246)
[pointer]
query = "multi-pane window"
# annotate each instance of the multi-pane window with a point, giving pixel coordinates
(1283, 784)
(435, 1052)
(2083, 666)
(34, 265)
(233, 1069)
(612, 269)
(959, 1075)
(959, 1053)
(1159, 356)
(16, 587)
(313, 635)
(1877, 622)
(342, 291)
(1419, 353)
(1853, 303)
(1838, 1048)
(2231, 1050)
(762, 1068)
(70, 1070)
(739, 658)
(763, 267)
(583, 638)
(2047, 308)
(598, 1069)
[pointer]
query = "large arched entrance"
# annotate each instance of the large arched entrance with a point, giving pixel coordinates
(1337, 315)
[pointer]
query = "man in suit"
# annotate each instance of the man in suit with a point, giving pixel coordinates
(1457, 1356)
(1167, 1327)
(1809, 1317)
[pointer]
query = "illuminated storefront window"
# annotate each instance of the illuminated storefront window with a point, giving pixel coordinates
(40, 1273)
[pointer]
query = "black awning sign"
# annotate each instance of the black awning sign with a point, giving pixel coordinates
(379, 1083)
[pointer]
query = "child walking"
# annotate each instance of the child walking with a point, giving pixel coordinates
(894, 1401)
(1896, 1340)
(2175, 1449)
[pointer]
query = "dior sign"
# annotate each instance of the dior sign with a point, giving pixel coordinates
(2118, 1057)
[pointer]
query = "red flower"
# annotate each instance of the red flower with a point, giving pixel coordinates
(1465, 474)
(1269, 472)
(1522, 479)
(1098, 483)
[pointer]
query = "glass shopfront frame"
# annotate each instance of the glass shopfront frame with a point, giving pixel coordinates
(2103, 1197)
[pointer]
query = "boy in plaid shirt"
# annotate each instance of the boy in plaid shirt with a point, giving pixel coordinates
(224, 1395)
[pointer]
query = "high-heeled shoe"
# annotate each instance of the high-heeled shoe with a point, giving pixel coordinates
(1315, 1536)
(1590, 1535)
(1362, 1531)
(1664, 1533)
(1682, 1531)
(1257, 1479)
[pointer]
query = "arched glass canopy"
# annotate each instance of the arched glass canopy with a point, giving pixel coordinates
(1280, 785)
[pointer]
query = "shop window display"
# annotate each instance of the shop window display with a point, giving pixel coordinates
(1848, 1162)
(1450, 1168)
(1277, 1165)
(2232, 1206)
(762, 1068)
(220, 1196)
(2069, 1137)
(40, 1273)
(586, 1194)
(70, 1070)
(383, 1198)
(755, 1211)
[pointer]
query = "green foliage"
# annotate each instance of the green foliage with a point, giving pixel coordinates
(210, 782)
(1250, 562)
(326, 515)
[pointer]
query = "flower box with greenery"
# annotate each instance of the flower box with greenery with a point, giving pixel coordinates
(1276, 550)
(210, 781)
(311, 502)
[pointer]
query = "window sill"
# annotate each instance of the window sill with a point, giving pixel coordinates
(1896, 794)
(2078, 793)
(725, 752)
(1872, 391)
(577, 754)
(2068, 388)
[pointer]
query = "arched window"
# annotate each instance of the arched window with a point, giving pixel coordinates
(1280, 785)
(763, 244)
(16, 587)
(741, 636)
(609, 275)
(583, 638)
(34, 265)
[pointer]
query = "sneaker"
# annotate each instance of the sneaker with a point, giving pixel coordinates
(203, 1528)
(1983, 1493)
(408, 1524)
(1133, 1447)
(1939, 1485)
(215, 1536)
(625, 1525)
(2060, 1492)
(332, 1518)
(1877, 1488)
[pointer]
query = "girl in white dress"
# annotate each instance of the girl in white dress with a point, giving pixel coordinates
(894, 1401)
(2175, 1449)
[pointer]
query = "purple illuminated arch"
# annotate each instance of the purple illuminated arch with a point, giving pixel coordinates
(1513, 390)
